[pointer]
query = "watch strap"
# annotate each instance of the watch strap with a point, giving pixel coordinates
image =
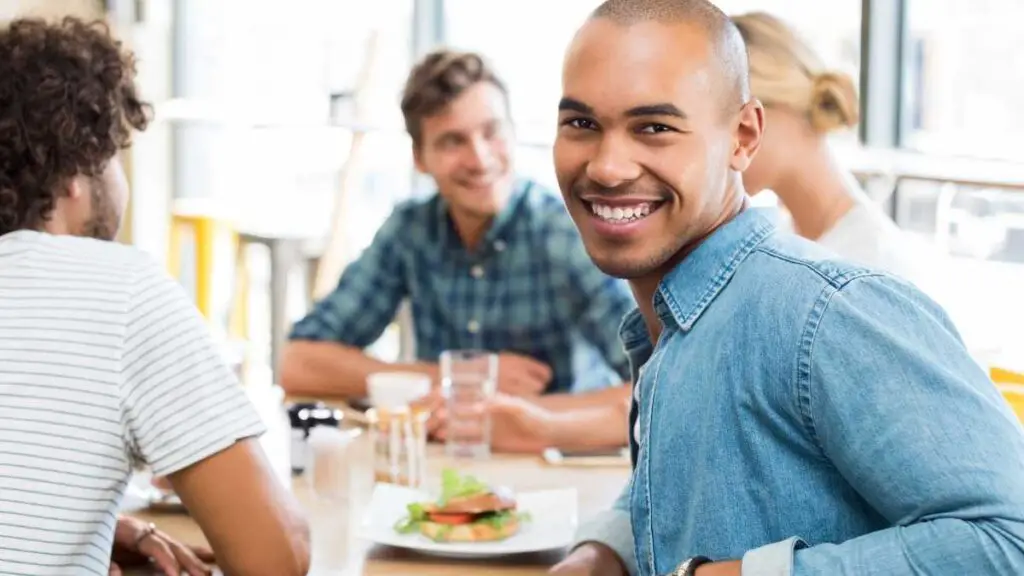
(689, 566)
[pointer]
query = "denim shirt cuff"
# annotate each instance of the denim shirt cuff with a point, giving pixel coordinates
(771, 560)
(613, 529)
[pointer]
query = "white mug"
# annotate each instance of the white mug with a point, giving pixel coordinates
(396, 389)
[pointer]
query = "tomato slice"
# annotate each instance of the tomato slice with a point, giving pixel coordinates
(451, 518)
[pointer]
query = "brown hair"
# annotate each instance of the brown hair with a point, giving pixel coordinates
(784, 71)
(67, 104)
(439, 79)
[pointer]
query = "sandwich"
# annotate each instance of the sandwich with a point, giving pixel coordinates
(468, 510)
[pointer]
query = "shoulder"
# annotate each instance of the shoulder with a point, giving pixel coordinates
(116, 263)
(546, 210)
(814, 284)
(411, 221)
(544, 214)
(796, 263)
(786, 283)
(416, 209)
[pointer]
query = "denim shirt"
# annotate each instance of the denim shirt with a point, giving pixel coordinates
(811, 417)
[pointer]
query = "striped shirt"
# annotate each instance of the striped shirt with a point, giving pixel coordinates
(105, 365)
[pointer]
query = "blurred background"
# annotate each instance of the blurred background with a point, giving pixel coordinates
(278, 147)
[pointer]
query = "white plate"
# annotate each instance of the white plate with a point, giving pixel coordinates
(552, 524)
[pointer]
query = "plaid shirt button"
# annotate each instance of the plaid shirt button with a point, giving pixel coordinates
(477, 271)
(473, 326)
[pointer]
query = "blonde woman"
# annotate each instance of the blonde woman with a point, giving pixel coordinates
(805, 104)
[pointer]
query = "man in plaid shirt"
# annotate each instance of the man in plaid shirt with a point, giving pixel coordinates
(489, 262)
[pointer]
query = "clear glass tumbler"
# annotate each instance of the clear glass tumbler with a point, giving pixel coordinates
(469, 379)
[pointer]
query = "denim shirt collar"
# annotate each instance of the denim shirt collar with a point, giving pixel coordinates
(689, 288)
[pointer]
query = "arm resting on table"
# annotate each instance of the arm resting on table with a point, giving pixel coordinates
(617, 396)
(252, 523)
(324, 369)
(592, 420)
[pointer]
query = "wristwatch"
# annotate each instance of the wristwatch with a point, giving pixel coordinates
(689, 566)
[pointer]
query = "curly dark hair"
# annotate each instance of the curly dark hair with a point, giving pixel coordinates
(438, 79)
(68, 102)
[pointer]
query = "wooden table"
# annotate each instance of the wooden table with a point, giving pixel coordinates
(597, 488)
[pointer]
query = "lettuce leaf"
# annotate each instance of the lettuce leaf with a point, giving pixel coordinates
(498, 520)
(454, 485)
(411, 523)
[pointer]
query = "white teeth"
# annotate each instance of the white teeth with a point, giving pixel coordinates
(620, 214)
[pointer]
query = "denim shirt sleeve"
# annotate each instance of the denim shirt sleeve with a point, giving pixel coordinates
(599, 301)
(366, 298)
(897, 405)
(614, 529)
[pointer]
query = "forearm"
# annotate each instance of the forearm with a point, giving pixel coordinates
(613, 530)
(589, 428)
(613, 396)
(939, 546)
(326, 369)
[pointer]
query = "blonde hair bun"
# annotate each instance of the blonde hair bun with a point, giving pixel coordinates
(834, 104)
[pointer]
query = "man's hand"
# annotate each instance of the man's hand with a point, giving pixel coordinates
(590, 559)
(135, 544)
(520, 375)
(518, 425)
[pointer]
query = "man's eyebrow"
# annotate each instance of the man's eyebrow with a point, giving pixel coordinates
(662, 109)
(573, 105)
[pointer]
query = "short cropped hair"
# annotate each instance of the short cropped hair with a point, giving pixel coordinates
(725, 38)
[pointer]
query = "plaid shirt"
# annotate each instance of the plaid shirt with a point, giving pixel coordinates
(529, 288)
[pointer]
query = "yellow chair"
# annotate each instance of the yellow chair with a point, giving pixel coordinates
(1011, 384)
(213, 241)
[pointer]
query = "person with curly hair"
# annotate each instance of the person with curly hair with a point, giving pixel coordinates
(105, 364)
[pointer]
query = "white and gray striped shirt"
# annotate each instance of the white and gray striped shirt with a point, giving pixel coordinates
(105, 364)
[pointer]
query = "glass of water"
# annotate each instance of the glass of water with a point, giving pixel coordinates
(469, 379)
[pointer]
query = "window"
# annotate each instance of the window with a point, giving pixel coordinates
(268, 86)
(960, 98)
(525, 41)
(962, 80)
(982, 231)
(831, 28)
(527, 51)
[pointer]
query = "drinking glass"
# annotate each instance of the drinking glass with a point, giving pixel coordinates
(341, 479)
(399, 440)
(468, 379)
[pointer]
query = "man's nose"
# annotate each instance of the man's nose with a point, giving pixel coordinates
(481, 157)
(612, 166)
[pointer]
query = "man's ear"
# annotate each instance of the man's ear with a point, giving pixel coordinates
(748, 132)
(75, 188)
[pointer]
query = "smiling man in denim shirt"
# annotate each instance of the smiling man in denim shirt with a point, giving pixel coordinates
(794, 414)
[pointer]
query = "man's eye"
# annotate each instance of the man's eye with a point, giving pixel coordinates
(581, 123)
(655, 129)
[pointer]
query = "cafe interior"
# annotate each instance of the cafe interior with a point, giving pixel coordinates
(278, 150)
